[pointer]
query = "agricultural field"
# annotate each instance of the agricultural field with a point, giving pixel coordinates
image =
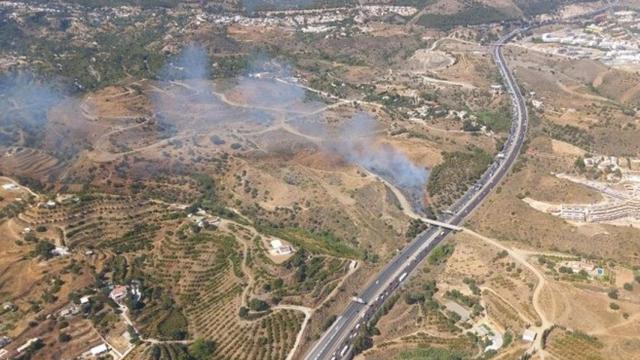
(219, 180)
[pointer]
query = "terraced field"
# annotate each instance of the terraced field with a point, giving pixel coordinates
(574, 345)
(208, 281)
(197, 283)
(122, 224)
(30, 162)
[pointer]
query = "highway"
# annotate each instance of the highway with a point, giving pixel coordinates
(336, 342)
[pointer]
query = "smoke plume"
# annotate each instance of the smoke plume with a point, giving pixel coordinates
(356, 143)
(25, 101)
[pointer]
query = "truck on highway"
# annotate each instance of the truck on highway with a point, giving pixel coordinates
(344, 350)
(404, 275)
(358, 300)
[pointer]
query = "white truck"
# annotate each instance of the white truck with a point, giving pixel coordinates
(404, 275)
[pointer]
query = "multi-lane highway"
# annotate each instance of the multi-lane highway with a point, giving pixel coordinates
(337, 340)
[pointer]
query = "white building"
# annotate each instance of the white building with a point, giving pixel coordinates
(98, 350)
(529, 335)
(278, 248)
(9, 186)
(26, 345)
(119, 293)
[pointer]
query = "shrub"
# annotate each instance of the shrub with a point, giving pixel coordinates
(202, 349)
(440, 254)
(243, 312)
(258, 305)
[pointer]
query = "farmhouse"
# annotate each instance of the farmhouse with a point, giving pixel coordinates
(278, 248)
(119, 293)
(98, 350)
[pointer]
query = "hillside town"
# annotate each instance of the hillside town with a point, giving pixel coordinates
(617, 179)
(609, 39)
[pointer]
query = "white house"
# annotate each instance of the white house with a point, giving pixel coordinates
(9, 186)
(26, 345)
(119, 293)
(529, 335)
(278, 248)
(98, 350)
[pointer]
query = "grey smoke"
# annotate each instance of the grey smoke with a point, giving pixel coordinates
(186, 94)
(192, 63)
(264, 72)
(25, 101)
(356, 143)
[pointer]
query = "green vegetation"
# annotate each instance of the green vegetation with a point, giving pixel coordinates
(64, 337)
(537, 7)
(310, 273)
(423, 296)
(570, 134)
(258, 305)
(416, 226)
(324, 242)
(458, 171)
(468, 301)
(210, 201)
(202, 349)
(326, 324)
(43, 250)
(498, 121)
(472, 15)
(174, 326)
(138, 238)
(472, 285)
(440, 254)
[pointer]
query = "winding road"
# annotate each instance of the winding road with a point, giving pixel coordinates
(336, 342)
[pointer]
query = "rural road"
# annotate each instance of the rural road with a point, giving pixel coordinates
(336, 342)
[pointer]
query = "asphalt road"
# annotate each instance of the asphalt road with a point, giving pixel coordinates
(336, 342)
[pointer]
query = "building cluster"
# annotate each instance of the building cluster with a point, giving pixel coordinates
(612, 38)
(313, 20)
(579, 266)
(69, 311)
(204, 220)
(622, 192)
(604, 212)
(311, 17)
(119, 293)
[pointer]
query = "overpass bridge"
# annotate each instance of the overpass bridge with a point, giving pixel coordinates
(442, 224)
